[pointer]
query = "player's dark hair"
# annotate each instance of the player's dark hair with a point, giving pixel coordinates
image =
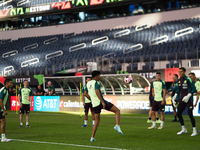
(158, 73)
(25, 80)
(176, 75)
(182, 68)
(88, 78)
(7, 80)
(192, 73)
(95, 73)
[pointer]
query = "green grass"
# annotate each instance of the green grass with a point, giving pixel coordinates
(66, 128)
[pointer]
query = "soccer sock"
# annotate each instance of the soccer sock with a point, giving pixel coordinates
(162, 123)
(175, 118)
(154, 123)
(21, 124)
(26, 123)
(3, 136)
(85, 122)
(157, 118)
(93, 121)
(149, 118)
(183, 127)
(194, 129)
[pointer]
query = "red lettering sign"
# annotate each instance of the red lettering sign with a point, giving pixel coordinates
(61, 5)
(96, 2)
(4, 13)
(13, 104)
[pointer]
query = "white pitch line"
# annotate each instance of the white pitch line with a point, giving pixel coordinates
(75, 145)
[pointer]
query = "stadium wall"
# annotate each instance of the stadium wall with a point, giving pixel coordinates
(153, 19)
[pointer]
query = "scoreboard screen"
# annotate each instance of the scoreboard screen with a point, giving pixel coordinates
(64, 5)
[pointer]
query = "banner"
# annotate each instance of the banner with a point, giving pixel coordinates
(13, 104)
(46, 103)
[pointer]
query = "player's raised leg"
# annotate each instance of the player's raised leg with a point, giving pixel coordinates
(117, 118)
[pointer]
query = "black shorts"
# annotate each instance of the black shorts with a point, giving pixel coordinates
(87, 106)
(182, 105)
(26, 108)
(151, 102)
(158, 106)
(2, 115)
(97, 109)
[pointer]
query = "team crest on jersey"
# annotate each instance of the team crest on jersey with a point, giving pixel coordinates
(179, 81)
(185, 82)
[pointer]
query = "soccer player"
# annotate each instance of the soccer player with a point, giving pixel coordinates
(3, 99)
(173, 89)
(158, 92)
(87, 105)
(197, 85)
(151, 100)
(25, 104)
(184, 91)
(98, 103)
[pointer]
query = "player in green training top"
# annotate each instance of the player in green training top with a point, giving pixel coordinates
(23, 94)
(197, 85)
(87, 105)
(93, 93)
(158, 92)
(3, 99)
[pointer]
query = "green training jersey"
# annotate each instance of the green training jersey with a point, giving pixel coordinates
(25, 93)
(85, 98)
(197, 85)
(3, 96)
(90, 88)
(158, 87)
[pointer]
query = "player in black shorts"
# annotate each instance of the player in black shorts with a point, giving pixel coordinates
(87, 105)
(171, 91)
(93, 93)
(3, 99)
(151, 100)
(24, 94)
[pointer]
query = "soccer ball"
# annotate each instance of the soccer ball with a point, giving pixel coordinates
(128, 79)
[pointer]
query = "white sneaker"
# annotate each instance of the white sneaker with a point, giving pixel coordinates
(6, 140)
(182, 131)
(92, 139)
(152, 127)
(194, 134)
(161, 127)
(118, 129)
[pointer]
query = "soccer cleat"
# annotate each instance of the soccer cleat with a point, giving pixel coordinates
(161, 127)
(158, 121)
(118, 129)
(21, 126)
(149, 121)
(182, 131)
(6, 140)
(27, 126)
(175, 120)
(194, 134)
(92, 140)
(84, 125)
(152, 127)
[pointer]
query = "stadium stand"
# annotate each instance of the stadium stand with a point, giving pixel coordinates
(173, 46)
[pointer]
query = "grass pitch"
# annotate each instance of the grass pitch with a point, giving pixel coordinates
(59, 131)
